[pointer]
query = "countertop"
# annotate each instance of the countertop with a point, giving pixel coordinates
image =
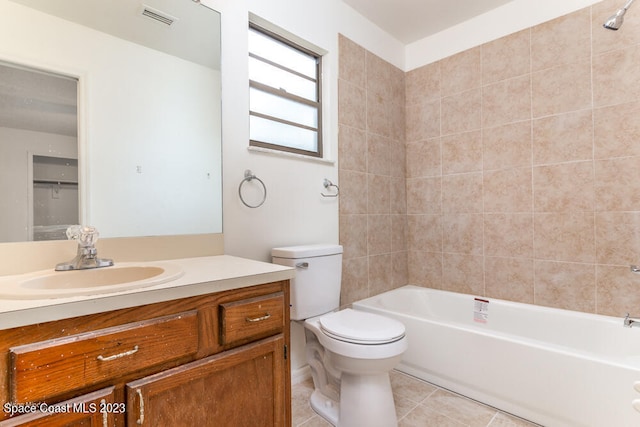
(202, 275)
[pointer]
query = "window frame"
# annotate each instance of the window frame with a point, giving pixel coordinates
(318, 153)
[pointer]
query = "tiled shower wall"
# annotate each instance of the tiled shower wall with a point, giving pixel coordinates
(373, 204)
(510, 170)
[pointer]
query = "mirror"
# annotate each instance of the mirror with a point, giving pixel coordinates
(147, 75)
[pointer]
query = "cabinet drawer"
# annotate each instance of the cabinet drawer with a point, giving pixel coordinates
(49, 368)
(250, 319)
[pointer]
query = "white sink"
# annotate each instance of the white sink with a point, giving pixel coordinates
(61, 284)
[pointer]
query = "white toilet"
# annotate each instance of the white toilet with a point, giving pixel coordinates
(350, 352)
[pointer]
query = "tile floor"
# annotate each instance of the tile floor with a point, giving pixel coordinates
(418, 404)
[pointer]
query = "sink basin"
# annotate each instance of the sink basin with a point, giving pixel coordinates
(60, 284)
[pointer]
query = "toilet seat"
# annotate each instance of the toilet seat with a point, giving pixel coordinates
(360, 327)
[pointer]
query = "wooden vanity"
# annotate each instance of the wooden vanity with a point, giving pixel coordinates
(213, 358)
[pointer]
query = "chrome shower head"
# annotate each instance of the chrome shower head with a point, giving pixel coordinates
(615, 21)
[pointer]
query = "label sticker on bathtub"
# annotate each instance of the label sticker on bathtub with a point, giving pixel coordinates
(480, 310)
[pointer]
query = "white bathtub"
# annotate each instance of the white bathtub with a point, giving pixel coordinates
(553, 367)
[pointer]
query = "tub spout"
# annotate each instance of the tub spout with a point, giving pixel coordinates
(629, 322)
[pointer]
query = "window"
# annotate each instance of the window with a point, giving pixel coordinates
(285, 107)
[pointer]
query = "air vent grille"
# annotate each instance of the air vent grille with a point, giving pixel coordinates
(158, 16)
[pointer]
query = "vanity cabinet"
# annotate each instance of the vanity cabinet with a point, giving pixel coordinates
(216, 359)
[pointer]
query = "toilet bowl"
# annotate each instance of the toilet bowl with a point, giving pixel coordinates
(359, 351)
(350, 352)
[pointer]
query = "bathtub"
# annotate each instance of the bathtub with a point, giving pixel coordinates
(553, 367)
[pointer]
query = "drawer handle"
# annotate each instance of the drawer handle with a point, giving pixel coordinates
(117, 356)
(258, 319)
(141, 415)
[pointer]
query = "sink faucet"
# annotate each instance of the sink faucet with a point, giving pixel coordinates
(629, 322)
(87, 237)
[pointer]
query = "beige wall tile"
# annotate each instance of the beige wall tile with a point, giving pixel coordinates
(509, 278)
(617, 291)
(569, 286)
(507, 146)
(353, 192)
(563, 138)
(463, 273)
(399, 229)
(506, 101)
(355, 280)
(398, 188)
(461, 112)
(508, 190)
(564, 187)
(378, 154)
(617, 130)
(477, 174)
(424, 158)
(561, 89)
(425, 269)
(351, 98)
(462, 234)
(506, 57)
(508, 235)
(423, 84)
(424, 233)
(378, 234)
(423, 120)
(615, 76)
(563, 40)
(462, 152)
(462, 193)
(399, 269)
(380, 273)
(424, 195)
(351, 66)
(565, 236)
(353, 235)
(352, 148)
(461, 72)
(617, 240)
(617, 184)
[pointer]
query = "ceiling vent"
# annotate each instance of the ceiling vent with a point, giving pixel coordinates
(159, 16)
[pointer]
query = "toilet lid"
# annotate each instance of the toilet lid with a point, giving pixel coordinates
(361, 327)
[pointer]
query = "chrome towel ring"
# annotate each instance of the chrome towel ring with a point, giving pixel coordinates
(248, 176)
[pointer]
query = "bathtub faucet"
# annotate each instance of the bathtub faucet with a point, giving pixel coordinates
(629, 322)
(87, 256)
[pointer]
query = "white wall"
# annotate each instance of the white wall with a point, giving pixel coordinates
(294, 212)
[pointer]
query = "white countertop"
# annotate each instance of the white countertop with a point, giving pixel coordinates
(202, 275)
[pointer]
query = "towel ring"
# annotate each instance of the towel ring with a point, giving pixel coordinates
(248, 176)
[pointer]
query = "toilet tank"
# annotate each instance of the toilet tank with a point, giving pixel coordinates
(316, 288)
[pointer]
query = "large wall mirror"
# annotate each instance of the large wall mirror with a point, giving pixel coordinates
(110, 115)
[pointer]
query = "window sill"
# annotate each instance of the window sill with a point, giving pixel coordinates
(284, 154)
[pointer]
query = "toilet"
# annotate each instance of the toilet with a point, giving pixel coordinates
(350, 352)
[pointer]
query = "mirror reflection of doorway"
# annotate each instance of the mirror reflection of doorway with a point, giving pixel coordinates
(55, 196)
(38, 153)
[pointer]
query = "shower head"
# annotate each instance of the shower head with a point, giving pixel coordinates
(615, 21)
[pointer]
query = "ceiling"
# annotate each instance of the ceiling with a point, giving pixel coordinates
(411, 20)
(194, 34)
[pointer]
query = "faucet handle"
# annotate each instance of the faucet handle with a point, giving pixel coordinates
(85, 235)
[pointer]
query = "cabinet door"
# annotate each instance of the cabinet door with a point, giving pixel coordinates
(95, 409)
(240, 387)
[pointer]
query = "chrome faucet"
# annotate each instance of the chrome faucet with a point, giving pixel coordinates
(629, 322)
(87, 256)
